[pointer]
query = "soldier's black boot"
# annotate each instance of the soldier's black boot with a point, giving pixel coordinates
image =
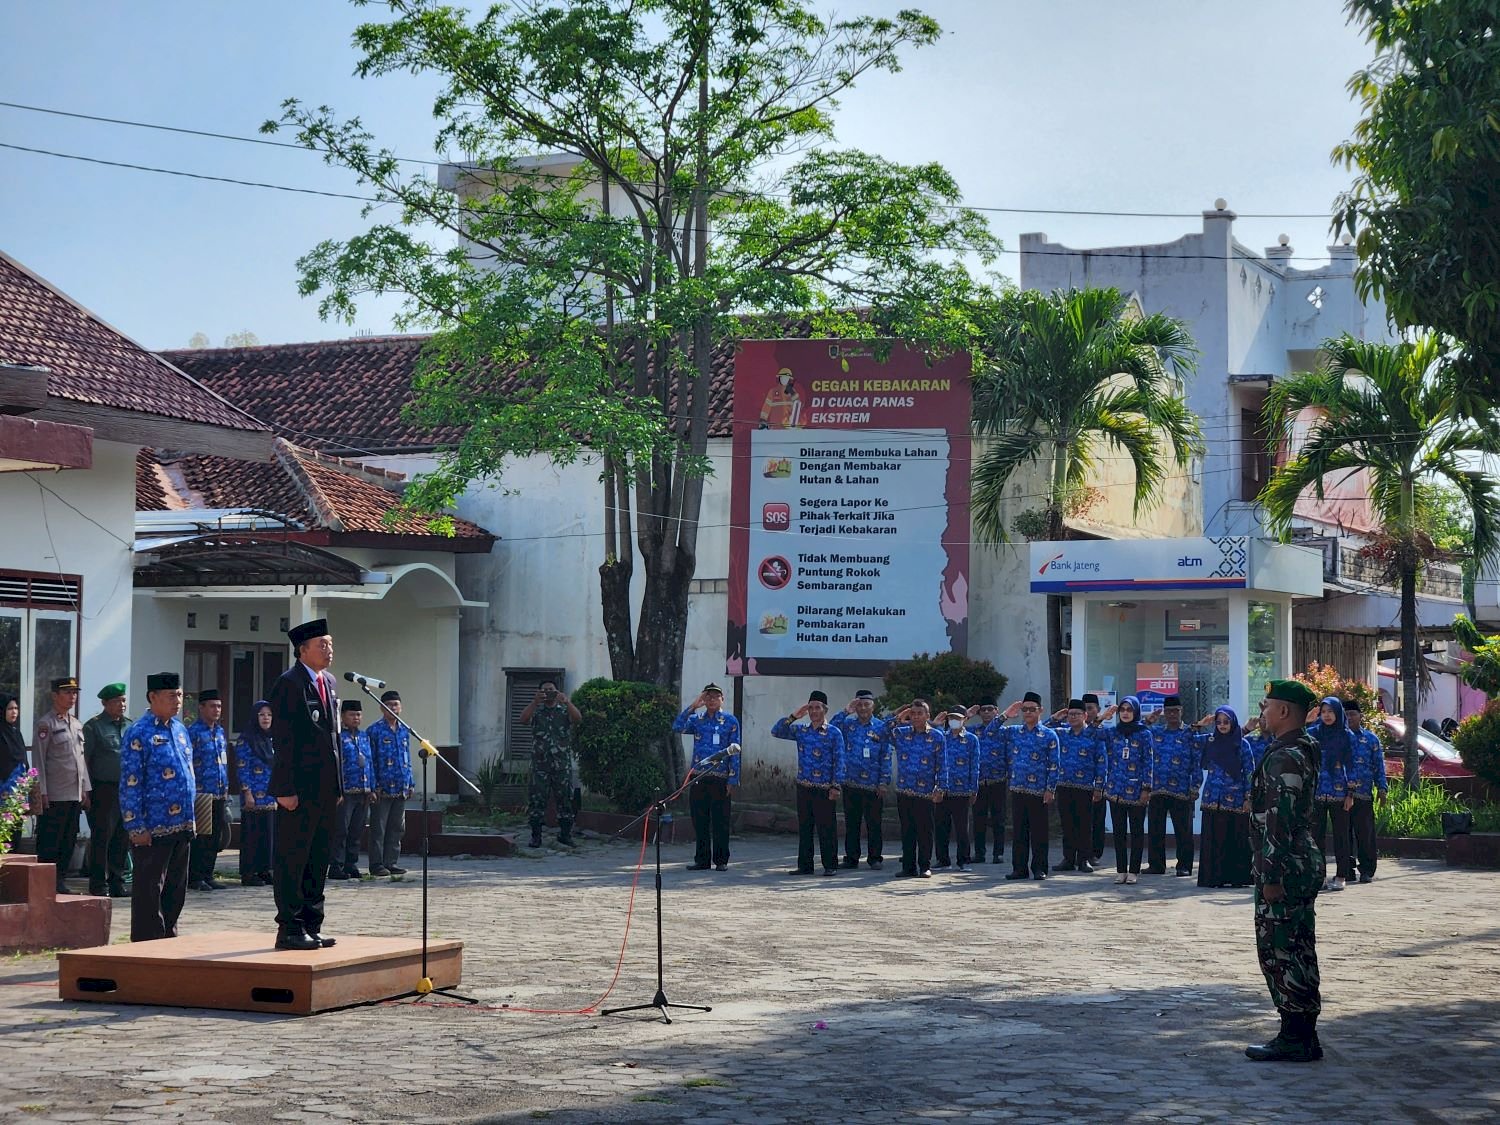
(565, 836)
(536, 838)
(1275, 1050)
(1297, 1041)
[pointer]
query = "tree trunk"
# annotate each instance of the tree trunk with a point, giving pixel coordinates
(1409, 671)
(1056, 531)
(661, 636)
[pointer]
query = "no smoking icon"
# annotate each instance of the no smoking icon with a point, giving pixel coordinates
(775, 572)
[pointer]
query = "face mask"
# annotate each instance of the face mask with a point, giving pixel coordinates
(955, 724)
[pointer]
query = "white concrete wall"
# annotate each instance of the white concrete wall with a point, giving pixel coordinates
(47, 536)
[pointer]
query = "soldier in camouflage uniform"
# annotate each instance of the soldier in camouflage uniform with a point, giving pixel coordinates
(1288, 872)
(552, 717)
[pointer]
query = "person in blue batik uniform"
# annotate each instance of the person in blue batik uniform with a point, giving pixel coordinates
(390, 753)
(1228, 763)
(820, 772)
(1080, 784)
(253, 753)
(960, 786)
(156, 807)
(1366, 780)
(211, 779)
(1128, 765)
(994, 780)
(1177, 771)
(867, 772)
(710, 799)
(1335, 798)
(357, 770)
(1032, 750)
(918, 753)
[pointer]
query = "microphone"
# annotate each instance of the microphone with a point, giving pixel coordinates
(363, 681)
(718, 757)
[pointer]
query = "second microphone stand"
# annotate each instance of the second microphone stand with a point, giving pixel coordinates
(425, 750)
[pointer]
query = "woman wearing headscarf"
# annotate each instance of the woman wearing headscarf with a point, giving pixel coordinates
(12, 743)
(1228, 762)
(1334, 797)
(1128, 776)
(252, 758)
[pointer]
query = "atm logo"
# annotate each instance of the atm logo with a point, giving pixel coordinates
(1189, 561)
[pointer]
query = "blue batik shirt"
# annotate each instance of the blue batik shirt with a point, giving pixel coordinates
(711, 734)
(356, 761)
(1177, 764)
(1129, 762)
(919, 759)
(1080, 758)
(960, 764)
(156, 777)
(210, 758)
(1220, 791)
(1366, 766)
(820, 753)
(1259, 742)
(1033, 759)
(254, 773)
(390, 754)
(867, 759)
(994, 752)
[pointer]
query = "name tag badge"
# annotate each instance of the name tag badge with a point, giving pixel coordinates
(716, 738)
(1125, 754)
(867, 751)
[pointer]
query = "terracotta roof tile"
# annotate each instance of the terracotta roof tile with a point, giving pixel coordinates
(317, 491)
(92, 363)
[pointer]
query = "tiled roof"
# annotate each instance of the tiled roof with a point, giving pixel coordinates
(92, 363)
(317, 491)
(347, 396)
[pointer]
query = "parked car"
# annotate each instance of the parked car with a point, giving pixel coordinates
(1439, 758)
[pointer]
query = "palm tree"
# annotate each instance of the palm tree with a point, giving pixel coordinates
(1065, 376)
(1400, 414)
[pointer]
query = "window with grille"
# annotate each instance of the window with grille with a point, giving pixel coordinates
(39, 638)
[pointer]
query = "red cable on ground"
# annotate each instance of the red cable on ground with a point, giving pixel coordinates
(640, 863)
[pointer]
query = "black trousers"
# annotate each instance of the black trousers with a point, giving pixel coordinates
(1028, 814)
(1332, 813)
(1180, 810)
(1075, 808)
(915, 814)
(1098, 827)
(952, 821)
(709, 805)
(348, 827)
(989, 812)
(863, 807)
(161, 878)
(1129, 822)
(109, 846)
(1362, 821)
(816, 810)
(1226, 849)
(205, 851)
(57, 835)
(304, 839)
(257, 841)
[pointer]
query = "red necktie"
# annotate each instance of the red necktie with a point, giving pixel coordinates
(322, 691)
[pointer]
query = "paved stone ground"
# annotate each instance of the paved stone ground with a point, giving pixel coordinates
(855, 999)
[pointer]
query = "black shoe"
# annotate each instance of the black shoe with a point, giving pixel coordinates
(98, 892)
(851, 861)
(699, 866)
(267, 878)
(354, 873)
(830, 871)
(925, 873)
(1181, 874)
(252, 881)
(117, 890)
(1038, 875)
(1288, 1046)
(876, 864)
(1367, 878)
(1086, 867)
(963, 867)
(906, 874)
(1070, 866)
(800, 871)
(394, 870)
(942, 864)
(565, 840)
(215, 885)
(324, 942)
(337, 873)
(380, 872)
(1019, 875)
(300, 942)
(1154, 871)
(200, 885)
(721, 867)
(536, 838)
(998, 857)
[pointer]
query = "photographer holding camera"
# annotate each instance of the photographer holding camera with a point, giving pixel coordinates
(552, 717)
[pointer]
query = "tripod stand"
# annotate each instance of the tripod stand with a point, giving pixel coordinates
(425, 750)
(659, 1001)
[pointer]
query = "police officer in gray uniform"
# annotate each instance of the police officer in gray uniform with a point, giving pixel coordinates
(62, 779)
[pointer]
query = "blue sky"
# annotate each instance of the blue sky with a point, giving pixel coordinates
(1061, 104)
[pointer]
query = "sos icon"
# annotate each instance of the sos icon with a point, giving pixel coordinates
(776, 517)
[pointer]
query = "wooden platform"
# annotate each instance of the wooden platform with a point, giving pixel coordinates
(245, 972)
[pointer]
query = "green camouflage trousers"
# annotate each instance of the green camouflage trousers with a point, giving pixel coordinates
(1286, 943)
(551, 777)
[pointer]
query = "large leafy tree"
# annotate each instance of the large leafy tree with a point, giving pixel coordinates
(1425, 203)
(1068, 377)
(1395, 413)
(700, 184)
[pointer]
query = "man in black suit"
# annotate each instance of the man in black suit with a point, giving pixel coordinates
(305, 782)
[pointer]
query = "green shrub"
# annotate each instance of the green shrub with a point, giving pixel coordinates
(1477, 741)
(945, 680)
(625, 726)
(1415, 812)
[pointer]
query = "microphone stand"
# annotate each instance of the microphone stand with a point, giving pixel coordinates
(425, 750)
(659, 1002)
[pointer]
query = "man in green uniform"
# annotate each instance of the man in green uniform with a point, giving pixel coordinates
(1288, 872)
(109, 847)
(552, 717)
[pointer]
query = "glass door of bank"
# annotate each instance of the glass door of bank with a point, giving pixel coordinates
(1135, 644)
